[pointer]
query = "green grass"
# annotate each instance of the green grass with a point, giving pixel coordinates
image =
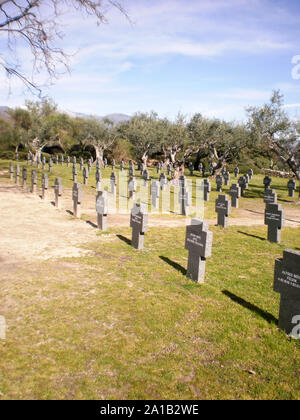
(128, 324)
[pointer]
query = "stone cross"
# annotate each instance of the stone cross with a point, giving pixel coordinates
(33, 181)
(85, 175)
(270, 196)
(45, 186)
(243, 185)
(11, 171)
(236, 171)
(98, 179)
(223, 208)
(139, 225)
(146, 177)
(235, 193)
(184, 196)
(77, 199)
(17, 174)
(206, 189)
(102, 209)
(58, 190)
(155, 193)
(113, 183)
(132, 188)
(191, 169)
(274, 218)
(267, 182)
(226, 177)
(246, 176)
(291, 187)
(24, 176)
(219, 182)
(74, 172)
(287, 283)
(169, 169)
(198, 242)
(163, 181)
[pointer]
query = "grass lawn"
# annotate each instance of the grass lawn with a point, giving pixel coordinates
(128, 324)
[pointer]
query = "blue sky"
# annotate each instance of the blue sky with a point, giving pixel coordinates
(214, 57)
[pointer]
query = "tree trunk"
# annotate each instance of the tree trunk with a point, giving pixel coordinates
(99, 153)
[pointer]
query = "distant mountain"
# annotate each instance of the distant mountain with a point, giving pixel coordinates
(115, 118)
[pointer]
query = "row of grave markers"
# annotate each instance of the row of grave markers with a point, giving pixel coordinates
(199, 239)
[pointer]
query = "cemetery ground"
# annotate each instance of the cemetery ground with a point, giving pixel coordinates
(89, 317)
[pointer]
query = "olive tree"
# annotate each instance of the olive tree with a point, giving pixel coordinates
(270, 126)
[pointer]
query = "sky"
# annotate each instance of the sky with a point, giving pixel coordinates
(213, 57)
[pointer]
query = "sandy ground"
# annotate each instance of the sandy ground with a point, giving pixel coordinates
(34, 229)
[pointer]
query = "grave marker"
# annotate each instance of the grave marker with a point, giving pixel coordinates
(206, 189)
(33, 181)
(24, 176)
(58, 190)
(291, 187)
(287, 283)
(274, 218)
(132, 188)
(219, 182)
(270, 196)
(243, 185)
(235, 193)
(198, 242)
(155, 193)
(267, 182)
(139, 225)
(102, 209)
(45, 186)
(17, 174)
(113, 183)
(77, 199)
(223, 208)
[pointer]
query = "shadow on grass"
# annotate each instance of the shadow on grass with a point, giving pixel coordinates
(265, 315)
(126, 240)
(173, 264)
(252, 236)
(91, 224)
(253, 211)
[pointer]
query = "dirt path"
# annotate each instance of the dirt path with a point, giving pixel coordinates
(35, 229)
